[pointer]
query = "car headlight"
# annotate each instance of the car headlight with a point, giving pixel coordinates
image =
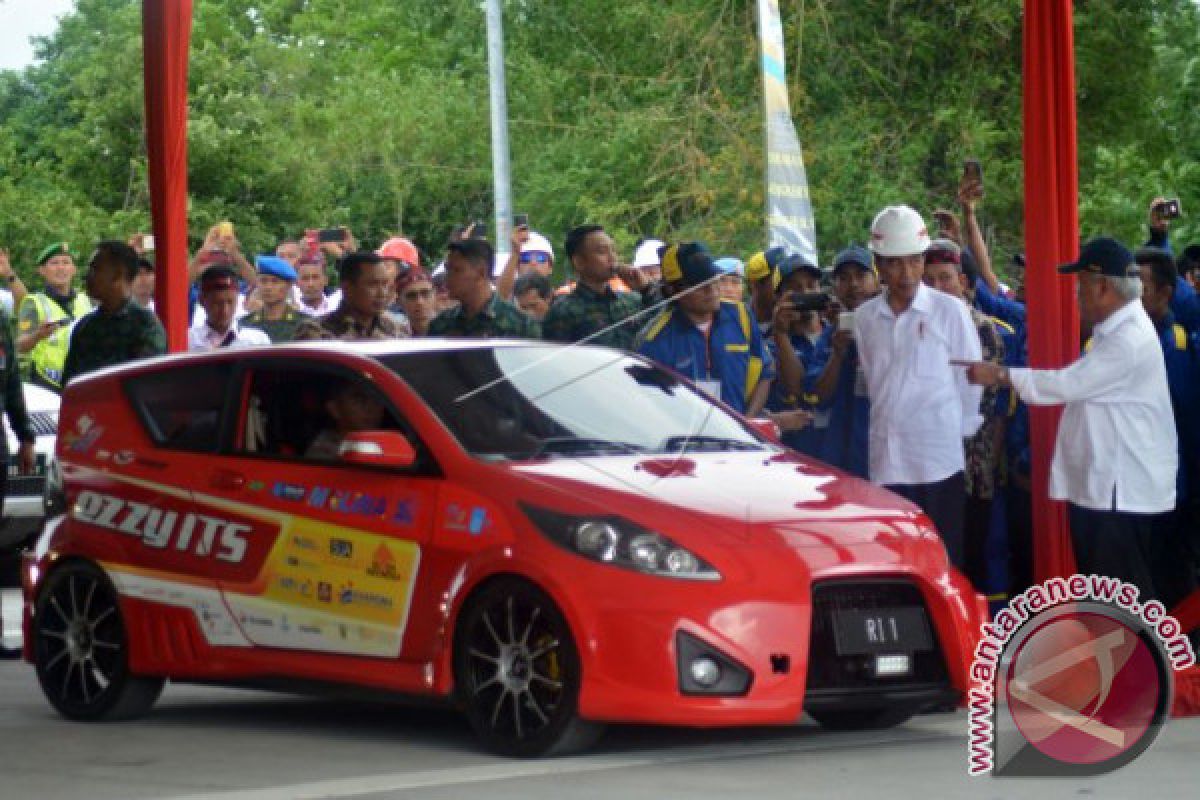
(617, 541)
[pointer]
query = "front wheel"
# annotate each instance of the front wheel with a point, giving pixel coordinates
(517, 672)
(81, 650)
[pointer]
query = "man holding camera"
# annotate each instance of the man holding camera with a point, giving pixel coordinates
(834, 377)
(796, 326)
(921, 407)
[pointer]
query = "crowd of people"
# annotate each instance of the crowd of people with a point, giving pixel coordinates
(903, 362)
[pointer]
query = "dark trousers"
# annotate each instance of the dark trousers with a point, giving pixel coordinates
(977, 524)
(943, 502)
(1174, 563)
(1118, 544)
(1020, 540)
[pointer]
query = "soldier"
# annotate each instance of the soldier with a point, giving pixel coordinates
(480, 313)
(44, 317)
(277, 318)
(118, 330)
(366, 290)
(593, 311)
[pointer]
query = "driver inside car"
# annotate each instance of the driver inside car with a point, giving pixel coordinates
(351, 408)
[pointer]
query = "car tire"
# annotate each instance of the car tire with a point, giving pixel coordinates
(864, 719)
(81, 648)
(517, 672)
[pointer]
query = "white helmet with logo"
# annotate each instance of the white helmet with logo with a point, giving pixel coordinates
(899, 231)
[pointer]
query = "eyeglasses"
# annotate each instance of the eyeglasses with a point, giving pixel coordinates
(534, 257)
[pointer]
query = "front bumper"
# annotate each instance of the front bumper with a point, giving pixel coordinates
(633, 671)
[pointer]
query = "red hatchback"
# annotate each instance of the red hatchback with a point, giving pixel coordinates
(550, 538)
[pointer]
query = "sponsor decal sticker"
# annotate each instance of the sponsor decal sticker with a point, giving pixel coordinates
(467, 520)
(201, 535)
(289, 491)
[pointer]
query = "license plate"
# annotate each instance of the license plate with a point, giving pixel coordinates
(880, 630)
(39, 466)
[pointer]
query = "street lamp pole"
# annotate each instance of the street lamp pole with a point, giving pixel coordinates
(501, 174)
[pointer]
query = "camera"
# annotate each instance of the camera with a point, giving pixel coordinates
(331, 235)
(1168, 209)
(809, 301)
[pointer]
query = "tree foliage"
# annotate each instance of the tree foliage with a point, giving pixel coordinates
(642, 115)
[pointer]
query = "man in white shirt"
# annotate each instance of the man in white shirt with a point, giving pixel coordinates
(219, 299)
(921, 406)
(1116, 453)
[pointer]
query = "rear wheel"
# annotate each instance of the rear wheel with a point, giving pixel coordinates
(517, 672)
(81, 650)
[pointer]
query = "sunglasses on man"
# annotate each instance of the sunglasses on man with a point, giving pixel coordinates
(535, 258)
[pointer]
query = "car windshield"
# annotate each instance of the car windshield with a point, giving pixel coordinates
(522, 402)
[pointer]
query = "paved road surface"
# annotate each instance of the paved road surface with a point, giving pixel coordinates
(221, 744)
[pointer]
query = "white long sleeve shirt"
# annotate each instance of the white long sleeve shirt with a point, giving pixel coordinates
(921, 406)
(1116, 441)
(202, 338)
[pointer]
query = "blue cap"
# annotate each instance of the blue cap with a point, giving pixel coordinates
(794, 263)
(689, 263)
(731, 266)
(274, 265)
(856, 255)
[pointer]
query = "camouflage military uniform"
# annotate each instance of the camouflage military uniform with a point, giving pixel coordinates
(585, 312)
(277, 330)
(341, 324)
(13, 398)
(980, 449)
(497, 319)
(101, 339)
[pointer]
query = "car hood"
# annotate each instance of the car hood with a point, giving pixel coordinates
(782, 492)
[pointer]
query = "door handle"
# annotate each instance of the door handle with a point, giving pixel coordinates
(227, 479)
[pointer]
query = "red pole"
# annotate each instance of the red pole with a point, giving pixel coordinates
(166, 31)
(1051, 238)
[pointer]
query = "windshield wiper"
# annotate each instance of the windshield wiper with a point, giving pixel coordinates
(700, 443)
(571, 445)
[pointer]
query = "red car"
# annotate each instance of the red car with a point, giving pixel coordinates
(549, 538)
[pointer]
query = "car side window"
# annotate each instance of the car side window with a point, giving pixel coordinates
(299, 414)
(181, 407)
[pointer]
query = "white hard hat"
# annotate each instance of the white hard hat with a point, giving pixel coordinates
(899, 231)
(647, 254)
(537, 244)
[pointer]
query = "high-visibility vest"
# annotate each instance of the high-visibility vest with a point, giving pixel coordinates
(50, 354)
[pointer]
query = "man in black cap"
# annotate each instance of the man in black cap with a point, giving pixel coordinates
(714, 343)
(1115, 458)
(793, 341)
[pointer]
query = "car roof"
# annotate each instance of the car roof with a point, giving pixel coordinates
(375, 348)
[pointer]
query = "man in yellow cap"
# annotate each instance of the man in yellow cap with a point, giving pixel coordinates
(44, 318)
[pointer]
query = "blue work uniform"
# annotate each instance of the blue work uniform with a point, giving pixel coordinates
(731, 353)
(844, 420)
(1183, 380)
(1185, 303)
(808, 439)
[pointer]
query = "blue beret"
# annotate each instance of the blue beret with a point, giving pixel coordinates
(274, 265)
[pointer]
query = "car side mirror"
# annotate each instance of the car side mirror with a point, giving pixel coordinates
(378, 449)
(766, 428)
